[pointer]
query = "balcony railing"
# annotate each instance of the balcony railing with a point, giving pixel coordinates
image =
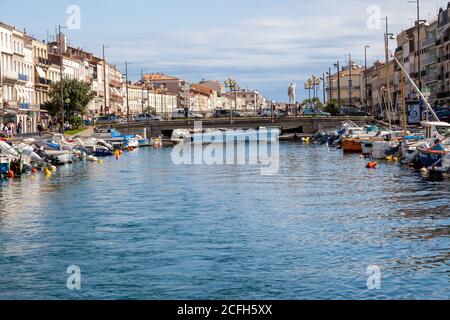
(10, 75)
(43, 61)
(429, 60)
(116, 97)
(432, 76)
(429, 42)
(115, 83)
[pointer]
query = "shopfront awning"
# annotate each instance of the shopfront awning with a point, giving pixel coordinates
(40, 72)
(19, 93)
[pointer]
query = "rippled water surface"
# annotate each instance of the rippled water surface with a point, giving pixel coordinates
(144, 228)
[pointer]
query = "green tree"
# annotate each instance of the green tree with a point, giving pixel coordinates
(332, 108)
(77, 95)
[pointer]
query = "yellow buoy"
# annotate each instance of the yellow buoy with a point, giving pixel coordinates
(424, 170)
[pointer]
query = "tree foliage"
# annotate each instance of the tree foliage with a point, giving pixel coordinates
(77, 96)
(332, 107)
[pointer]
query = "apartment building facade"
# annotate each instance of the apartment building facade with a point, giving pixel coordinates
(348, 84)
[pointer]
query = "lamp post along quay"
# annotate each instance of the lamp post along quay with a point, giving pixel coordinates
(366, 94)
(338, 82)
(105, 94)
(61, 75)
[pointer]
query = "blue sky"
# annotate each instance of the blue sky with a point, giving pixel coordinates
(263, 44)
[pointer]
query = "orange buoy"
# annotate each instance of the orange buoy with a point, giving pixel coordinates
(34, 170)
(372, 165)
(10, 174)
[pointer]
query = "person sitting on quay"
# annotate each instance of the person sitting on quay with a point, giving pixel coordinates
(438, 146)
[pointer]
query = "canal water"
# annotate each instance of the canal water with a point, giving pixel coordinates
(144, 228)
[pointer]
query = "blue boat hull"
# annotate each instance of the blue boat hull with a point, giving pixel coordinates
(103, 153)
(428, 159)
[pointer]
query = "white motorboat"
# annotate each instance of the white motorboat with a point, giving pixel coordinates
(383, 149)
(27, 153)
(207, 136)
(6, 149)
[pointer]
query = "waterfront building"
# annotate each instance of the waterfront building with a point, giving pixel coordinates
(41, 71)
(169, 84)
(17, 78)
(443, 49)
(135, 99)
(231, 100)
(251, 100)
(9, 77)
(377, 86)
(214, 85)
(350, 84)
(90, 70)
(202, 98)
(116, 91)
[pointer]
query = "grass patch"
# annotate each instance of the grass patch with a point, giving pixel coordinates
(74, 132)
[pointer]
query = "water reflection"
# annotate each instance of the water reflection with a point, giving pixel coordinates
(142, 227)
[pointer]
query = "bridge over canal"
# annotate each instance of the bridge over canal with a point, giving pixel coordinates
(300, 125)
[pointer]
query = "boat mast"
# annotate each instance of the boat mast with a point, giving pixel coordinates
(416, 88)
(405, 129)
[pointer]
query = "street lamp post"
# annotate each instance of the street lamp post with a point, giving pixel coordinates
(350, 81)
(142, 90)
(126, 90)
(105, 102)
(418, 42)
(330, 88)
(324, 88)
(61, 74)
(388, 36)
(339, 82)
(365, 76)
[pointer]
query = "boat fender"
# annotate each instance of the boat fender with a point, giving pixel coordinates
(424, 171)
(372, 165)
(47, 172)
(34, 170)
(53, 169)
(10, 174)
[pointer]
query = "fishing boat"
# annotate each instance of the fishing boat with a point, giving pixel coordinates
(352, 145)
(435, 130)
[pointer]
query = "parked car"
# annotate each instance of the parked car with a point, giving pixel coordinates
(181, 114)
(226, 114)
(267, 112)
(146, 117)
(105, 119)
(87, 122)
(443, 114)
(352, 111)
(314, 113)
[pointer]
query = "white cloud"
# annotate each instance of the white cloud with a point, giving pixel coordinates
(271, 48)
